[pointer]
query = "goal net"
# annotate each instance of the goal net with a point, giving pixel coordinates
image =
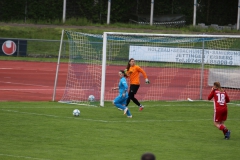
(178, 66)
(84, 68)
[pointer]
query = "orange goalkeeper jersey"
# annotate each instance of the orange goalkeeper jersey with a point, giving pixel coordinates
(133, 73)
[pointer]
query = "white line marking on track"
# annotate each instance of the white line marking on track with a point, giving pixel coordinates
(26, 157)
(6, 68)
(35, 89)
(27, 69)
(24, 84)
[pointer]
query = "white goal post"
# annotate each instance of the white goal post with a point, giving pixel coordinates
(179, 66)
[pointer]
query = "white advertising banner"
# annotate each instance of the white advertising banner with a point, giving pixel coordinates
(184, 55)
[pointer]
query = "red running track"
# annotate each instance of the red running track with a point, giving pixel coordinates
(30, 81)
(34, 81)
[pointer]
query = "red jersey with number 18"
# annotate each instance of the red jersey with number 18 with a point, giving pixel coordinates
(220, 98)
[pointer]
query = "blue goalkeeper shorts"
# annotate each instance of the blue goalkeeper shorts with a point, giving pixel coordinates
(120, 100)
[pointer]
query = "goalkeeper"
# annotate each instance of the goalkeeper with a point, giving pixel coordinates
(120, 100)
(132, 72)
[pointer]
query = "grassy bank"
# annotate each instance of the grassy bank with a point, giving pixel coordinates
(41, 50)
(52, 31)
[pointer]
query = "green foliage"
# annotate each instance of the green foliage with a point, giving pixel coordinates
(121, 10)
(14, 10)
(30, 32)
(79, 21)
(171, 130)
(34, 59)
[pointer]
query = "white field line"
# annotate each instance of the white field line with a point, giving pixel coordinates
(26, 157)
(199, 101)
(105, 121)
(233, 104)
(92, 106)
(229, 104)
(190, 101)
(54, 116)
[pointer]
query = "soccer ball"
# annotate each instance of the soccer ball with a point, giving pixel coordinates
(76, 112)
(91, 98)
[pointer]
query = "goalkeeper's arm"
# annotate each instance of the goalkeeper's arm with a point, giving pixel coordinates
(144, 75)
(116, 88)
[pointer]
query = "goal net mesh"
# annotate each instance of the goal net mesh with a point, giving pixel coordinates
(173, 65)
(84, 68)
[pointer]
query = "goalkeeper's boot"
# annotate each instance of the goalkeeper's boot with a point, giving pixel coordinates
(125, 110)
(129, 116)
(141, 108)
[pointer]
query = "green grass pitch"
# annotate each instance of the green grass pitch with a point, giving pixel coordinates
(170, 130)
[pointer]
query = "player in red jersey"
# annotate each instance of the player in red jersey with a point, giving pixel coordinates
(220, 98)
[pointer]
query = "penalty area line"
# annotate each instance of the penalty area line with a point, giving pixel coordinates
(106, 121)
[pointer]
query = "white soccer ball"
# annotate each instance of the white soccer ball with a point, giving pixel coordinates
(76, 112)
(91, 98)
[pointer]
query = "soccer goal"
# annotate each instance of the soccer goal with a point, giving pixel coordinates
(179, 66)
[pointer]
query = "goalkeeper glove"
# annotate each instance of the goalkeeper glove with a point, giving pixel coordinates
(125, 71)
(147, 81)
